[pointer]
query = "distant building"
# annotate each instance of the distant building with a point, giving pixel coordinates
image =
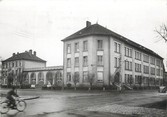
(44, 76)
(111, 57)
(18, 62)
(33, 70)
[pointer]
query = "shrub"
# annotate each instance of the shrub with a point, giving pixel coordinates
(4, 86)
(44, 87)
(69, 85)
(56, 87)
(26, 86)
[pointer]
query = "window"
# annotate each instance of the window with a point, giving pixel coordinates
(85, 61)
(147, 80)
(128, 65)
(152, 61)
(85, 46)
(99, 60)
(128, 52)
(68, 48)
(146, 69)
(144, 80)
(76, 77)
(4, 65)
(158, 63)
(8, 64)
(152, 71)
(128, 79)
(117, 62)
(100, 44)
(76, 47)
(137, 55)
(85, 76)
(76, 61)
(138, 79)
(68, 62)
(100, 76)
(146, 58)
(12, 64)
(20, 63)
(137, 67)
(68, 76)
(161, 72)
(117, 47)
(158, 72)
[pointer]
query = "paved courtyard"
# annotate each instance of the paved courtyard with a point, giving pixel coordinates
(91, 104)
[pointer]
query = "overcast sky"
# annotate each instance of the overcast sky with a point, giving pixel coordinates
(40, 25)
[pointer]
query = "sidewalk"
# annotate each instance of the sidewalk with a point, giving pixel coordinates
(128, 110)
(135, 107)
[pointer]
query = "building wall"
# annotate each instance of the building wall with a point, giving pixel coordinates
(33, 64)
(34, 78)
(80, 54)
(108, 52)
(18, 66)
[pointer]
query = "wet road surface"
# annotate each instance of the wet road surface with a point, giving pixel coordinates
(74, 103)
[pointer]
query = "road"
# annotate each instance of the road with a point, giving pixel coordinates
(81, 103)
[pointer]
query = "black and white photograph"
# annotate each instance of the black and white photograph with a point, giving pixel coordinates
(83, 58)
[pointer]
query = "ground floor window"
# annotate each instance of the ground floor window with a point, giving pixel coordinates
(100, 76)
(69, 77)
(85, 76)
(138, 79)
(128, 79)
(157, 81)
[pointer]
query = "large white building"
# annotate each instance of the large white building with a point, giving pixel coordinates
(111, 57)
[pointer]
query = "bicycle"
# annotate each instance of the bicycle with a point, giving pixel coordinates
(6, 105)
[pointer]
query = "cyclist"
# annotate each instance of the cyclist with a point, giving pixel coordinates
(10, 95)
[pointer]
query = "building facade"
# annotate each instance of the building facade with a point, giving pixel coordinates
(15, 65)
(111, 57)
(44, 76)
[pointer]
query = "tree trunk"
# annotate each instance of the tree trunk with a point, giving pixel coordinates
(75, 87)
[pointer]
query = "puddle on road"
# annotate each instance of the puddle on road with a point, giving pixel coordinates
(157, 105)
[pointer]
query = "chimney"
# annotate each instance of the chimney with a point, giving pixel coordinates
(30, 51)
(35, 53)
(13, 54)
(88, 23)
(17, 53)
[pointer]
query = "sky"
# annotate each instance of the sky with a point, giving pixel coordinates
(40, 25)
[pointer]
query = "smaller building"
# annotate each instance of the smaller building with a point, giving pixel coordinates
(13, 67)
(44, 76)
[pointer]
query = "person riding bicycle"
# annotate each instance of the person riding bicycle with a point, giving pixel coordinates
(10, 95)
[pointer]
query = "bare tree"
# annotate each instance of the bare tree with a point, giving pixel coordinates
(21, 78)
(75, 79)
(10, 79)
(140, 79)
(91, 78)
(131, 81)
(162, 32)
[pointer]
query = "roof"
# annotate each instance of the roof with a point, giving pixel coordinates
(24, 56)
(97, 29)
